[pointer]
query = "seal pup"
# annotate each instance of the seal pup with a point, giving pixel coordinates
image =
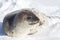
(20, 23)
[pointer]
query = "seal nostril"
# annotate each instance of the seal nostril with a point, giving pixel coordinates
(36, 19)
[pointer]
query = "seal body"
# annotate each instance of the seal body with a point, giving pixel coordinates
(20, 23)
(8, 21)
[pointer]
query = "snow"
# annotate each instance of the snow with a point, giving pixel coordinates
(48, 7)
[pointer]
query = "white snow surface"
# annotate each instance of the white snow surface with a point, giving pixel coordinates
(48, 7)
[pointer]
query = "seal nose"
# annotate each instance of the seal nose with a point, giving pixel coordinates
(36, 19)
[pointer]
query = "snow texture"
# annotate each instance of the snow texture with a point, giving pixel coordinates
(48, 7)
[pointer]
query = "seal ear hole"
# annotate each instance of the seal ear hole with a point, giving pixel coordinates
(12, 32)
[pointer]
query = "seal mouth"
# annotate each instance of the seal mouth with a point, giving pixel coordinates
(34, 22)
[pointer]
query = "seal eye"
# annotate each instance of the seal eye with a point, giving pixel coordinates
(29, 18)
